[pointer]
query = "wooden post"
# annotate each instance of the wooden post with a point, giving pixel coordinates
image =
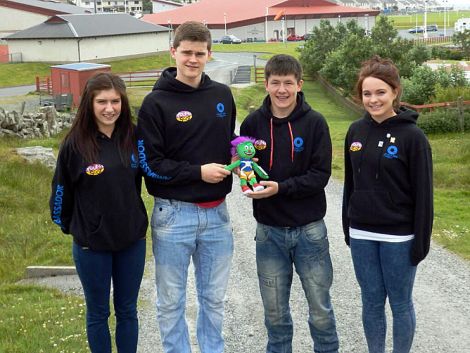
(461, 117)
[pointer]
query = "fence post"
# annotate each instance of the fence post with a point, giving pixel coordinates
(461, 117)
(37, 84)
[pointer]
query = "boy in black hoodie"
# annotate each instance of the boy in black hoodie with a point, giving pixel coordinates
(294, 147)
(185, 127)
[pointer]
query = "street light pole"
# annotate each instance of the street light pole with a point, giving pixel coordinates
(425, 29)
(225, 23)
(445, 5)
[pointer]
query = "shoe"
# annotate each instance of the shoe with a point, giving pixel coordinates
(258, 187)
(246, 189)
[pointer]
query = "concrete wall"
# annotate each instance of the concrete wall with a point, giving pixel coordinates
(91, 49)
(12, 20)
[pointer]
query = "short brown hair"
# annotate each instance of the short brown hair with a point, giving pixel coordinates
(283, 65)
(382, 69)
(192, 31)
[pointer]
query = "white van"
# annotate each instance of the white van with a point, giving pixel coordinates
(462, 24)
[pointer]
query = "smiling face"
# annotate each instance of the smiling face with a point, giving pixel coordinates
(246, 150)
(282, 90)
(107, 108)
(191, 58)
(377, 98)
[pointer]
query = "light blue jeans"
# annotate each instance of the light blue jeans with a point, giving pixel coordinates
(181, 231)
(306, 247)
(384, 269)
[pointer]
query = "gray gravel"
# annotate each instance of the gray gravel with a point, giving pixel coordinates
(441, 295)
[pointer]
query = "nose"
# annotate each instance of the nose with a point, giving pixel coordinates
(109, 106)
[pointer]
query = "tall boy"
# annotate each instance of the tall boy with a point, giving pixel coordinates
(185, 127)
(294, 147)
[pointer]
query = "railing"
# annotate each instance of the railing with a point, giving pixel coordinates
(44, 84)
(432, 106)
(140, 78)
(259, 75)
(433, 40)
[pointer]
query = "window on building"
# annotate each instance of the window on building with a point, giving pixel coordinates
(64, 80)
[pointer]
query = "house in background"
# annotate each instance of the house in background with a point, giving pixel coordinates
(254, 20)
(17, 15)
(164, 5)
(103, 6)
(94, 37)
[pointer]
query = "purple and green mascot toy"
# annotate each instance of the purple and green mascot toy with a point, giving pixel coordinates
(244, 148)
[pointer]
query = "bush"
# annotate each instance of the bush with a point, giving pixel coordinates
(443, 120)
(451, 94)
(444, 53)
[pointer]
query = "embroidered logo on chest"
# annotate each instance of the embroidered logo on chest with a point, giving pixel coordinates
(94, 169)
(355, 146)
(184, 116)
(392, 152)
(298, 144)
(220, 110)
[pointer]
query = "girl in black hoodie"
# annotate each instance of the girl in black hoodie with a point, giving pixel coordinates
(96, 198)
(387, 204)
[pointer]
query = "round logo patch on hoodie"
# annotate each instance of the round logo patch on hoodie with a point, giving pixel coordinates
(260, 145)
(94, 169)
(184, 116)
(355, 146)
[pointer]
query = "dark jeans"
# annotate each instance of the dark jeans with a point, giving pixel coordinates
(384, 270)
(96, 269)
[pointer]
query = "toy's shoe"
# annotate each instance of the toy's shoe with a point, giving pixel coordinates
(246, 189)
(258, 187)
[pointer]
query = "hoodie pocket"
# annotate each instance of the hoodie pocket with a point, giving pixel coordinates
(376, 208)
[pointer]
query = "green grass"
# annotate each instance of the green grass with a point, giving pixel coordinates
(12, 74)
(409, 21)
(268, 48)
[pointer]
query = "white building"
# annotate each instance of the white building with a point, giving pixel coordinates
(462, 24)
(164, 5)
(93, 37)
(102, 6)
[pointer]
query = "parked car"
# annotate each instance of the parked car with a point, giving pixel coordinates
(432, 28)
(230, 39)
(416, 30)
(306, 36)
(294, 38)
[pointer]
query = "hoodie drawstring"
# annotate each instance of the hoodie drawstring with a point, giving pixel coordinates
(271, 159)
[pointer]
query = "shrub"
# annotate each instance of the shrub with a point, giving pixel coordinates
(451, 94)
(443, 120)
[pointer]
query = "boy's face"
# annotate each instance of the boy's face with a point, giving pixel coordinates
(282, 90)
(191, 58)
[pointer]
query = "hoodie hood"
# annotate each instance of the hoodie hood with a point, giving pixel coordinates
(300, 110)
(404, 116)
(168, 82)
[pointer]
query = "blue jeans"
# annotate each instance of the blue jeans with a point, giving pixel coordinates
(384, 269)
(307, 247)
(181, 231)
(96, 269)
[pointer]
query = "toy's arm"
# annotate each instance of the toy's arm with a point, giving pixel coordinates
(260, 171)
(233, 165)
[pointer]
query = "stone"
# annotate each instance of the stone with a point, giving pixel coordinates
(40, 154)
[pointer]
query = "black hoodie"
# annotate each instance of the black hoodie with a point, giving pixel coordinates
(98, 203)
(388, 180)
(300, 147)
(181, 128)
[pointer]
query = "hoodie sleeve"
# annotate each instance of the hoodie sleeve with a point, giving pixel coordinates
(422, 186)
(315, 179)
(347, 188)
(151, 149)
(62, 195)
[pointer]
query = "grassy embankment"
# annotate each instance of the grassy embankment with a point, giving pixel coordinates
(410, 21)
(29, 314)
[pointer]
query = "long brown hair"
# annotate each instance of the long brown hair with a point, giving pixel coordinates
(83, 133)
(382, 69)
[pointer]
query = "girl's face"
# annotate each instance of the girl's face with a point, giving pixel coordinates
(107, 108)
(377, 98)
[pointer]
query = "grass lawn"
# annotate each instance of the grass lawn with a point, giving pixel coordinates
(17, 74)
(409, 21)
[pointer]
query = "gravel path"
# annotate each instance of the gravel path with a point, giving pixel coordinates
(441, 295)
(442, 298)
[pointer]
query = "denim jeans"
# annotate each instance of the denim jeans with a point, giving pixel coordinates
(181, 231)
(96, 269)
(384, 269)
(306, 247)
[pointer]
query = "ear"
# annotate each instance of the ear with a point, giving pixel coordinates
(209, 54)
(266, 84)
(299, 85)
(172, 52)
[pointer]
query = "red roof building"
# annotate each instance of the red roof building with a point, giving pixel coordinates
(262, 19)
